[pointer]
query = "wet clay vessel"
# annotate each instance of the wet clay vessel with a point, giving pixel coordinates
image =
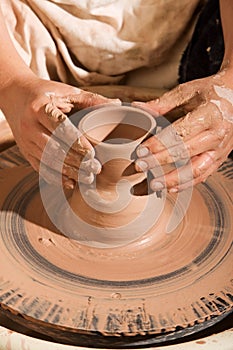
(117, 208)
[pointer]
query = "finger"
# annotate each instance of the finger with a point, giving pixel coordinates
(59, 102)
(86, 162)
(170, 152)
(54, 113)
(167, 138)
(179, 155)
(201, 119)
(202, 178)
(85, 178)
(91, 166)
(191, 174)
(49, 175)
(146, 107)
(53, 177)
(56, 108)
(85, 99)
(52, 158)
(64, 131)
(205, 117)
(56, 155)
(68, 137)
(197, 132)
(72, 137)
(206, 141)
(183, 94)
(34, 162)
(69, 178)
(47, 146)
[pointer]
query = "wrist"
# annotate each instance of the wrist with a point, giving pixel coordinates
(13, 93)
(14, 83)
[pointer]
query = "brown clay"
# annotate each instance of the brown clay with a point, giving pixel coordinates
(111, 204)
(163, 280)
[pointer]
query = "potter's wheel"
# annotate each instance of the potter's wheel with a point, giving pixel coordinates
(143, 294)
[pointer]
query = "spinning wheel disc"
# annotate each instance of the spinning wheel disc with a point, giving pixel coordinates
(159, 288)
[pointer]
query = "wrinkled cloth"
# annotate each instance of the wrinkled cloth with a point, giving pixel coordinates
(91, 42)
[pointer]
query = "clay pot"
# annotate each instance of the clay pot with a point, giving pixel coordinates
(117, 208)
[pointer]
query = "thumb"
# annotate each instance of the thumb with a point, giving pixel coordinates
(85, 99)
(175, 98)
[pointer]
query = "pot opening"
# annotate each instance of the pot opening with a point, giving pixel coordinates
(114, 125)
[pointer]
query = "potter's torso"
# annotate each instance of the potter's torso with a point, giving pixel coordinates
(102, 41)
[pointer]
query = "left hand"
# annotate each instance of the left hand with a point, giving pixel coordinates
(38, 116)
(202, 136)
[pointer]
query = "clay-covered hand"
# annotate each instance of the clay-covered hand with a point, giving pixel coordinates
(38, 108)
(199, 141)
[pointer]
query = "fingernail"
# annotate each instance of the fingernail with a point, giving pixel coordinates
(173, 190)
(115, 101)
(96, 166)
(142, 151)
(87, 179)
(142, 165)
(156, 186)
(69, 185)
(89, 154)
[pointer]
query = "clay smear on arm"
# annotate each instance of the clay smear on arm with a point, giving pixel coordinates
(226, 95)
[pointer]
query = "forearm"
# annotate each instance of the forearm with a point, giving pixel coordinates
(13, 70)
(226, 10)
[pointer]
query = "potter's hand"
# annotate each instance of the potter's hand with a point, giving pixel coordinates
(202, 137)
(34, 111)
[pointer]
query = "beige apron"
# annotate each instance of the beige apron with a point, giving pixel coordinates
(92, 42)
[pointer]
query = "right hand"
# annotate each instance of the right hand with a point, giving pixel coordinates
(34, 110)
